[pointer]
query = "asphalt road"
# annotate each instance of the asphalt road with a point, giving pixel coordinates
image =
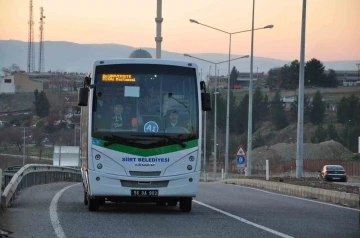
(219, 210)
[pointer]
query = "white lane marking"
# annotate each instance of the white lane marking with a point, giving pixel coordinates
(53, 212)
(244, 220)
(300, 198)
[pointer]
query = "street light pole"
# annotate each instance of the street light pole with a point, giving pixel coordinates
(227, 117)
(24, 148)
(249, 143)
(215, 122)
(300, 122)
(215, 110)
(228, 89)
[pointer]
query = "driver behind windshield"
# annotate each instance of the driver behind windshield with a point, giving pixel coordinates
(175, 125)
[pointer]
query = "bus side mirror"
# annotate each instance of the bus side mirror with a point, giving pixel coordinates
(83, 95)
(205, 101)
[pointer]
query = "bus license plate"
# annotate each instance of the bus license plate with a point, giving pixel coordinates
(145, 193)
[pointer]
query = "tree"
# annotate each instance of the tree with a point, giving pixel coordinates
(233, 77)
(273, 80)
(350, 136)
(257, 104)
(332, 134)
(342, 109)
(42, 106)
(331, 79)
(319, 135)
(290, 76)
(318, 107)
(294, 109)
(15, 136)
(278, 117)
(348, 109)
(242, 114)
(314, 72)
(265, 107)
(11, 69)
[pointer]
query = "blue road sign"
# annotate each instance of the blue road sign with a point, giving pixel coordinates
(240, 159)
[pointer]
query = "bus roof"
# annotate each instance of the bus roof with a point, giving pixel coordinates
(145, 61)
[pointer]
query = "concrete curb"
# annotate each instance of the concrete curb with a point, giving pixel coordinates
(342, 198)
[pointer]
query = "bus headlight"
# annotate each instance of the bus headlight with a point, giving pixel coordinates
(186, 164)
(102, 162)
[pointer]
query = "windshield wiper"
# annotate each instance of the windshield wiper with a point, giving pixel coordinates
(113, 139)
(177, 141)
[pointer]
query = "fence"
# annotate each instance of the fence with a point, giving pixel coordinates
(35, 174)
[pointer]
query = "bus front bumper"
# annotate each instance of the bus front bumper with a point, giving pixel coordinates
(107, 185)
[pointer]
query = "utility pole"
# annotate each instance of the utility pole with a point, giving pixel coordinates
(358, 65)
(300, 122)
(250, 117)
(24, 148)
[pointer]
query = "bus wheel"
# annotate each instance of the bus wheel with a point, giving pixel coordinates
(85, 198)
(93, 204)
(185, 204)
(160, 203)
(101, 201)
(172, 203)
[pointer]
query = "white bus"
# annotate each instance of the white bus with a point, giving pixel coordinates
(141, 123)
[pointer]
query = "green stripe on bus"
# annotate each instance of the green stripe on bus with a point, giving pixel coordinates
(148, 152)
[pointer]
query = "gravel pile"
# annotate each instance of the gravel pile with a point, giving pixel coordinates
(329, 150)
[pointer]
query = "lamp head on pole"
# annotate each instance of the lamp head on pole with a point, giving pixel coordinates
(194, 21)
(268, 27)
(187, 55)
(245, 56)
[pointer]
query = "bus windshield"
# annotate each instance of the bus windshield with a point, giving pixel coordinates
(147, 101)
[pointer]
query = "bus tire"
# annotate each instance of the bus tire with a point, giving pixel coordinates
(101, 201)
(93, 204)
(160, 203)
(185, 204)
(86, 198)
(172, 203)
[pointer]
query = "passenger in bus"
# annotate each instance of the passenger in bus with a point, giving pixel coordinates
(104, 106)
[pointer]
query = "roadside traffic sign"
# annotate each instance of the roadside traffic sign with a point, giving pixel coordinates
(241, 151)
(240, 159)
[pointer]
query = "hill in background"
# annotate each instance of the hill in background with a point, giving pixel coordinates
(73, 57)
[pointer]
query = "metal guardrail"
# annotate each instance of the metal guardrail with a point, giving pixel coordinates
(35, 174)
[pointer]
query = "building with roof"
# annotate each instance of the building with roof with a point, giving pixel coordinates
(7, 84)
(241, 82)
(21, 82)
(347, 78)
